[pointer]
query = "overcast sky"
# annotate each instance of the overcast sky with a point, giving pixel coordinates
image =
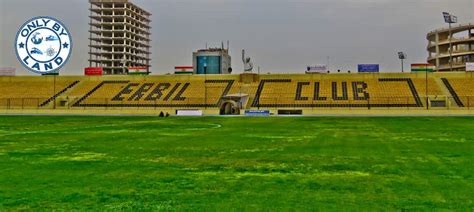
(281, 36)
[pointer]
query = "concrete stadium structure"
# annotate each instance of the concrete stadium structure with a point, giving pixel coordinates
(307, 94)
(119, 36)
(461, 40)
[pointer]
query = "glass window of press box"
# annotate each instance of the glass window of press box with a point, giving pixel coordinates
(208, 65)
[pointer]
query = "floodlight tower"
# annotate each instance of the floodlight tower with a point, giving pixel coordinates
(402, 56)
(450, 19)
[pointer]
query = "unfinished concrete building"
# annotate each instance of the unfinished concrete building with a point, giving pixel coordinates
(119, 36)
(451, 49)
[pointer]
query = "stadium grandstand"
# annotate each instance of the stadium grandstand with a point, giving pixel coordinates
(233, 94)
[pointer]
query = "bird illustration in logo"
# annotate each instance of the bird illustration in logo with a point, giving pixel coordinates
(36, 40)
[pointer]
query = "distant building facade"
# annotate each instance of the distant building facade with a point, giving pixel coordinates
(212, 61)
(119, 36)
(462, 47)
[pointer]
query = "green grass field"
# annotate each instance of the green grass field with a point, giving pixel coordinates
(212, 163)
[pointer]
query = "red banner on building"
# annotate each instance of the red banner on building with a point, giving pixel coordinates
(93, 71)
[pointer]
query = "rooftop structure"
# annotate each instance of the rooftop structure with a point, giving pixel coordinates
(212, 61)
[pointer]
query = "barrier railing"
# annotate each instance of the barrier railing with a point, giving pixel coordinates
(408, 103)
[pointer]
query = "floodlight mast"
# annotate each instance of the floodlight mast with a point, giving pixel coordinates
(402, 56)
(450, 19)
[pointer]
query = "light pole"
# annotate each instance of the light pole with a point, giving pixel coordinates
(205, 85)
(54, 90)
(426, 87)
(450, 19)
(402, 56)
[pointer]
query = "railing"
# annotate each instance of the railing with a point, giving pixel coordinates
(447, 41)
(388, 103)
(455, 65)
(454, 27)
(455, 54)
(22, 103)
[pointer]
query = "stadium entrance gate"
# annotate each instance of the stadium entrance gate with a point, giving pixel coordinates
(229, 108)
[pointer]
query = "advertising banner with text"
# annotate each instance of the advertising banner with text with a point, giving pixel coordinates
(368, 68)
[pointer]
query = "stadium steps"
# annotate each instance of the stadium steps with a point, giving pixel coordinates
(452, 92)
(446, 91)
(53, 98)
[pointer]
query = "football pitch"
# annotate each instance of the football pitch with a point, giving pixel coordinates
(215, 163)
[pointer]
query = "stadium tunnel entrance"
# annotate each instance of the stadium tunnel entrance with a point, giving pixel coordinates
(229, 108)
(233, 103)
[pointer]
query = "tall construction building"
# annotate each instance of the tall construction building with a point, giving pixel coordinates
(119, 36)
(451, 49)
